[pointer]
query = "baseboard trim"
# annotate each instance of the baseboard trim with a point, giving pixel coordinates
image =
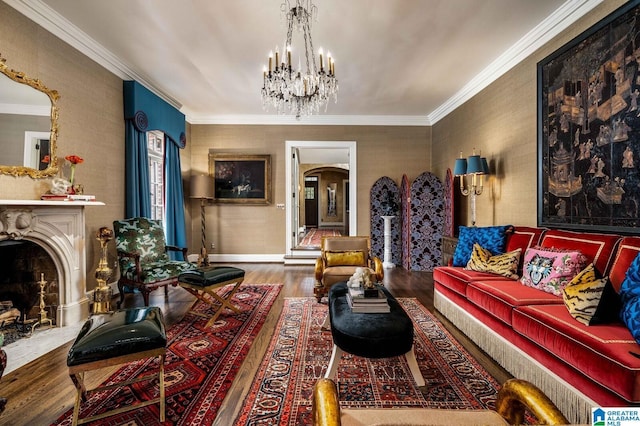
(240, 258)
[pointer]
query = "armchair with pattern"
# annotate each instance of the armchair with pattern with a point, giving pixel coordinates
(339, 258)
(143, 259)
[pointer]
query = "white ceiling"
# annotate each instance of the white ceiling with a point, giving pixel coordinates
(397, 61)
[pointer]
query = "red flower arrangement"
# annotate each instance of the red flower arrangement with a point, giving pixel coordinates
(46, 159)
(73, 159)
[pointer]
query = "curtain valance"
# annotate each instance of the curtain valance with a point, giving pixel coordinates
(148, 112)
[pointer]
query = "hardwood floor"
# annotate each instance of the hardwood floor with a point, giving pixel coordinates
(41, 391)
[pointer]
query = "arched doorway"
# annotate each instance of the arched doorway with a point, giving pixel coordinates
(339, 154)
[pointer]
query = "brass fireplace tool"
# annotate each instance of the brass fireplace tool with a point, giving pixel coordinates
(102, 294)
(43, 313)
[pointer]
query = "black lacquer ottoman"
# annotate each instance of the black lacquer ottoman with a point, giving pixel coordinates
(116, 338)
(369, 335)
(203, 283)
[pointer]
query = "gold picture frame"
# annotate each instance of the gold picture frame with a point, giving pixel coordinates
(241, 179)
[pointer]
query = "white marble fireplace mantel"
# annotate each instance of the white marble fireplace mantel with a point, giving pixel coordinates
(59, 228)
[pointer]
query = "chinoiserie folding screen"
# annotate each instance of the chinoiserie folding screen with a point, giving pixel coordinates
(418, 222)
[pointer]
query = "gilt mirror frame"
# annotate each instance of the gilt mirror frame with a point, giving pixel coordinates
(52, 169)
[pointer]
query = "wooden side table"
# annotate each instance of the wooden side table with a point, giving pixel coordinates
(448, 249)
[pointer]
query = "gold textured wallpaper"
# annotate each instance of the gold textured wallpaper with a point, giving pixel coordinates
(500, 122)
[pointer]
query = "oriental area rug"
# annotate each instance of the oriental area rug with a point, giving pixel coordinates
(300, 350)
(314, 236)
(200, 365)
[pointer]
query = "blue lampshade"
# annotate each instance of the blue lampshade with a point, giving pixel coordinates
(474, 164)
(485, 166)
(460, 167)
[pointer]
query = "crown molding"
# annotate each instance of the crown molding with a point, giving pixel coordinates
(558, 21)
(564, 16)
(313, 120)
(56, 24)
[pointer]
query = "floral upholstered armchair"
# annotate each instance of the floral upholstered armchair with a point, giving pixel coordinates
(339, 259)
(143, 259)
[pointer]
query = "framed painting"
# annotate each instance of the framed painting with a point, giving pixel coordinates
(589, 128)
(241, 179)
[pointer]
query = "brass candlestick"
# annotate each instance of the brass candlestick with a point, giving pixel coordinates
(102, 294)
(43, 313)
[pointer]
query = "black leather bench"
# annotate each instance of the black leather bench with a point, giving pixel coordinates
(116, 338)
(203, 283)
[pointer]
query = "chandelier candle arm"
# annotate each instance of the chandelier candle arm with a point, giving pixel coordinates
(301, 91)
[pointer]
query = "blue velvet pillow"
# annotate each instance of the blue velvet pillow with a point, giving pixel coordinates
(492, 238)
(630, 287)
(630, 297)
(630, 316)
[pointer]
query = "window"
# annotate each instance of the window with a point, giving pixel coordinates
(309, 191)
(155, 148)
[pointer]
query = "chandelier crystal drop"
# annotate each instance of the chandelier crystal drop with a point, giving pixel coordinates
(297, 91)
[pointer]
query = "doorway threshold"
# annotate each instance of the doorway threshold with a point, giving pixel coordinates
(302, 257)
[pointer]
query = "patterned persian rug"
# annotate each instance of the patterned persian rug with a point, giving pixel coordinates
(299, 352)
(200, 366)
(314, 236)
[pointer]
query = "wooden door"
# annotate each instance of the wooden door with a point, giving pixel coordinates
(311, 204)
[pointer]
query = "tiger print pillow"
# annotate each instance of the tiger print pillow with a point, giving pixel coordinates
(505, 264)
(582, 295)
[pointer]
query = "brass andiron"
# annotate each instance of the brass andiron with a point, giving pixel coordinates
(102, 293)
(43, 313)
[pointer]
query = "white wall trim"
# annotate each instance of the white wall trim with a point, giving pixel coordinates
(313, 120)
(241, 258)
(554, 24)
(58, 25)
(564, 16)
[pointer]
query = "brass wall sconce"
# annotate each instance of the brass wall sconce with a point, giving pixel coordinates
(475, 167)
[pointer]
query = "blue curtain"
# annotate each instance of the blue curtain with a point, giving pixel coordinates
(137, 184)
(175, 227)
(144, 111)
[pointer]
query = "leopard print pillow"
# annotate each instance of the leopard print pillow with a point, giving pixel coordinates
(505, 264)
(582, 295)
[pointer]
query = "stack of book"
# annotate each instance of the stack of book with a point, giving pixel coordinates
(367, 305)
(67, 197)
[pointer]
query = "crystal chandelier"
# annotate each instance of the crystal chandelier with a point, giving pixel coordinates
(295, 91)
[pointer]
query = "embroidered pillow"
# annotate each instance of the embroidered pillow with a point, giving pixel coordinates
(345, 258)
(630, 297)
(492, 238)
(551, 270)
(583, 293)
(505, 264)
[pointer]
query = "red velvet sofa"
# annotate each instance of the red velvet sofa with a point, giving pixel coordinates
(533, 336)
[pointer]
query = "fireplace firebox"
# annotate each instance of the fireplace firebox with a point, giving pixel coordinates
(23, 263)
